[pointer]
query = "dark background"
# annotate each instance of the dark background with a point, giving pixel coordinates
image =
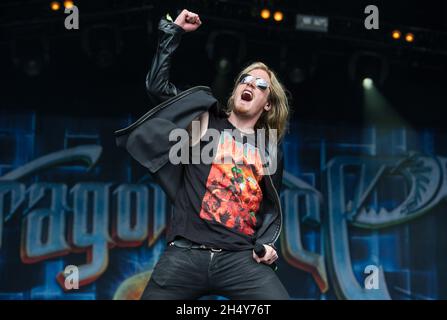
(99, 70)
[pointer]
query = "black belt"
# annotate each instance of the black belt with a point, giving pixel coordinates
(185, 243)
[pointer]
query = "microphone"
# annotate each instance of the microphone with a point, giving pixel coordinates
(260, 252)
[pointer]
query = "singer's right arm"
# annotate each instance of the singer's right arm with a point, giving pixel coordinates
(158, 86)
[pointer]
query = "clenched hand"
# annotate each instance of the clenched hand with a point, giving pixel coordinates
(188, 20)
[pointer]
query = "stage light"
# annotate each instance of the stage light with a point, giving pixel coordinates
(409, 37)
(68, 4)
(30, 55)
(278, 16)
(368, 68)
(265, 14)
(396, 34)
(102, 43)
(223, 65)
(297, 75)
(55, 5)
(367, 83)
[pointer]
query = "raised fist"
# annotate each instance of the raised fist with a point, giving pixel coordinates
(188, 20)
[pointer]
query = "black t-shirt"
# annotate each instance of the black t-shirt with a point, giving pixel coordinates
(218, 203)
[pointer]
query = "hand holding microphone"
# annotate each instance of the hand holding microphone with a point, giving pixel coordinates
(265, 254)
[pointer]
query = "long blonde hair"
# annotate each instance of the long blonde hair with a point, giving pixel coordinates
(277, 116)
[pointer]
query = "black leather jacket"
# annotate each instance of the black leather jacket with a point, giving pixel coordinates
(147, 139)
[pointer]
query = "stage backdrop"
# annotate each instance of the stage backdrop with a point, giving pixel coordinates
(70, 197)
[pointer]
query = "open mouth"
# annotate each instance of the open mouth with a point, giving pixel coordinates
(247, 95)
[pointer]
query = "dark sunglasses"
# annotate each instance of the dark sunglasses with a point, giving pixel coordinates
(248, 78)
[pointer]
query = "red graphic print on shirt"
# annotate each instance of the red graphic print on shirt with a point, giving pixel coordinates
(233, 194)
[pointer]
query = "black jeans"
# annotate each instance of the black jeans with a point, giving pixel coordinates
(185, 273)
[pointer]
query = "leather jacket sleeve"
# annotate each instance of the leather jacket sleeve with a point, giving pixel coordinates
(158, 86)
(270, 226)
